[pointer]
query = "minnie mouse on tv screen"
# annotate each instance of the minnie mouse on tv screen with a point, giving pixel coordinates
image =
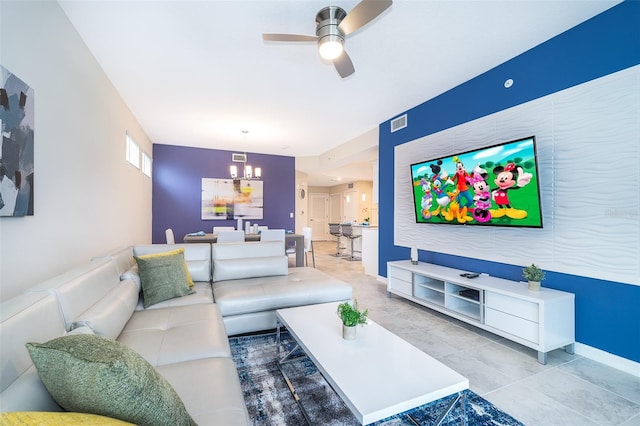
(496, 185)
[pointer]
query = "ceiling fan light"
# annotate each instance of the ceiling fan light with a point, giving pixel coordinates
(331, 47)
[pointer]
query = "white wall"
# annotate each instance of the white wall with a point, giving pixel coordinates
(88, 200)
(302, 205)
(588, 156)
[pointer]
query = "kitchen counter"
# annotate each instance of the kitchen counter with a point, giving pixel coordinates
(367, 245)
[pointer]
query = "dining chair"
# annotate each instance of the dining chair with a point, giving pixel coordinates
(308, 245)
(231, 237)
(277, 235)
(217, 229)
(168, 233)
(272, 235)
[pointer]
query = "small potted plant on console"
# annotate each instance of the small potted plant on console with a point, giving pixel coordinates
(533, 275)
(351, 316)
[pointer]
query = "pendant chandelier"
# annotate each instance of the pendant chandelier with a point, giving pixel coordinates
(248, 172)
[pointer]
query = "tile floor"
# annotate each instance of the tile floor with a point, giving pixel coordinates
(569, 390)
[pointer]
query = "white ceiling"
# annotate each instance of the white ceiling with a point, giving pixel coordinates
(196, 73)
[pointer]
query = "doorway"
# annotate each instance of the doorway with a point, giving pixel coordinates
(319, 216)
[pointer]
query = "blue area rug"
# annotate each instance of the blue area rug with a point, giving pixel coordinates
(270, 402)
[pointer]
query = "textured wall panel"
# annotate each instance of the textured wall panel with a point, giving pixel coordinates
(598, 178)
(588, 150)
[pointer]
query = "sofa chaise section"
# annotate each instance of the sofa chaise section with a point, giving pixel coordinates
(252, 280)
(210, 389)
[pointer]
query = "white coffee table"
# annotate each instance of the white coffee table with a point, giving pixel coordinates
(378, 374)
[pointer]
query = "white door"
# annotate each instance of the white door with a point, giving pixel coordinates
(350, 206)
(319, 216)
(335, 208)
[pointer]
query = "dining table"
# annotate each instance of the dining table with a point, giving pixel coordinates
(289, 238)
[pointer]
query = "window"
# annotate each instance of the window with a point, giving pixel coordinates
(133, 152)
(146, 164)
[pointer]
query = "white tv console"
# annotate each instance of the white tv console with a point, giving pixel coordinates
(542, 320)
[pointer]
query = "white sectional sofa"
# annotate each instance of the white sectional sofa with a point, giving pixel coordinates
(237, 287)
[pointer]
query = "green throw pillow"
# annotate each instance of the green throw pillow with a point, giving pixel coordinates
(163, 278)
(92, 374)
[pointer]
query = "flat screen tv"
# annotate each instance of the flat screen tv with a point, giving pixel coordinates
(497, 185)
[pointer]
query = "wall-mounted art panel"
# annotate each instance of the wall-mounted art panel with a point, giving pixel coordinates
(225, 199)
(587, 147)
(16, 146)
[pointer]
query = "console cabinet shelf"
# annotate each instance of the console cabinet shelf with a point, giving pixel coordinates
(542, 320)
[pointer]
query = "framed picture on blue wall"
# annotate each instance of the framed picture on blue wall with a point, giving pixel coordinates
(226, 199)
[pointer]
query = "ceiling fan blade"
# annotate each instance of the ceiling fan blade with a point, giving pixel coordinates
(288, 37)
(343, 65)
(363, 13)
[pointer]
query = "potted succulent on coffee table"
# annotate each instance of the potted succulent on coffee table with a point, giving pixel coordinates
(533, 275)
(351, 316)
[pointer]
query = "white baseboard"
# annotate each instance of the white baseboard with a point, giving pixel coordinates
(611, 360)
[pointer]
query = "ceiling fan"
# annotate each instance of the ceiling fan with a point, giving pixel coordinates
(333, 24)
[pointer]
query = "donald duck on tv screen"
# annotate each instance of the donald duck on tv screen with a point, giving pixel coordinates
(496, 185)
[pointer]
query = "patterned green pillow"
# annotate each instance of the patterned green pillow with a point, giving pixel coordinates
(163, 277)
(92, 374)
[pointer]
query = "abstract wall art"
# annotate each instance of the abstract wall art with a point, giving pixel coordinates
(225, 199)
(16, 145)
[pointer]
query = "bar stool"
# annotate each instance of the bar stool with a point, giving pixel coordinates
(347, 231)
(334, 229)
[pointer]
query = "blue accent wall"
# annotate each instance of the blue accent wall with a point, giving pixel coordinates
(177, 184)
(606, 312)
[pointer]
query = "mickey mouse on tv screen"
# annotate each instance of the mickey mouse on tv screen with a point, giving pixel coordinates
(497, 185)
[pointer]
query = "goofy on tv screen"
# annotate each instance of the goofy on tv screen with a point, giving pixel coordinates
(496, 185)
